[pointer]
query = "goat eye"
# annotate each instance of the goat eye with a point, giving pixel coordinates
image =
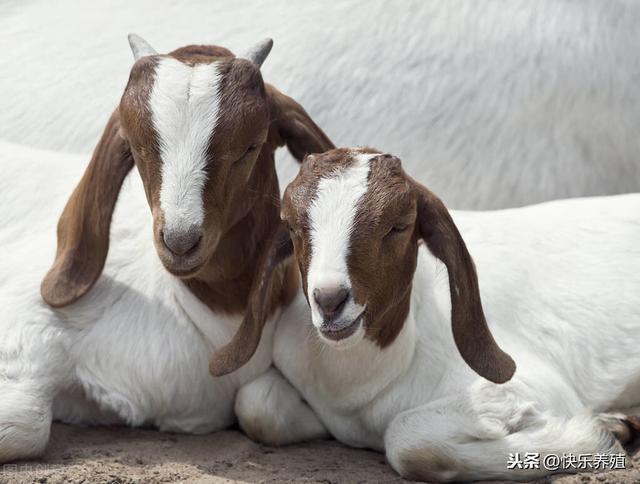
(397, 229)
(294, 233)
(249, 149)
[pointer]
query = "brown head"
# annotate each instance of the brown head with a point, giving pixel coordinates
(201, 127)
(356, 220)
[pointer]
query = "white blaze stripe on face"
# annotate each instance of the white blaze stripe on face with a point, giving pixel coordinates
(331, 217)
(184, 104)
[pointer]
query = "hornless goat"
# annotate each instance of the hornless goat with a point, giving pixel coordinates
(377, 361)
(201, 127)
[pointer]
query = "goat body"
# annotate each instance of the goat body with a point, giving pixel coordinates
(128, 331)
(560, 288)
(133, 351)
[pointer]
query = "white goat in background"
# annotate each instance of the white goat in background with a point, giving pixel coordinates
(513, 101)
(377, 362)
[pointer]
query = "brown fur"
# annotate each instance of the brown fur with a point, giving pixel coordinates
(271, 274)
(470, 330)
(395, 215)
(83, 228)
(241, 197)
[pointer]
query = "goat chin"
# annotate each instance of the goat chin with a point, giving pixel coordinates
(561, 294)
(133, 351)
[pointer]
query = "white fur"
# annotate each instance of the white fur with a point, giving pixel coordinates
(185, 105)
(560, 288)
(133, 351)
(490, 104)
(331, 217)
(286, 426)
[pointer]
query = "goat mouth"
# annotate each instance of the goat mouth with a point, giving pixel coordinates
(183, 272)
(343, 332)
(182, 267)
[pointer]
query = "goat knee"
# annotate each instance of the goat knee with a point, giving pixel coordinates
(423, 463)
(414, 455)
(25, 423)
(271, 411)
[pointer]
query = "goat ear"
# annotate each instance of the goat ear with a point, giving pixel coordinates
(294, 126)
(470, 331)
(270, 275)
(83, 228)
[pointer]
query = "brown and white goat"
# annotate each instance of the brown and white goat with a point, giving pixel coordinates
(379, 346)
(131, 347)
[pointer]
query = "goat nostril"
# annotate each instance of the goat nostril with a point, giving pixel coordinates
(331, 300)
(181, 242)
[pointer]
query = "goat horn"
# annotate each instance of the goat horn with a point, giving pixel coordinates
(140, 47)
(259, 52)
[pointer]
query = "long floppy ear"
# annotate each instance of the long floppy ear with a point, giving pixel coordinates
(83, 228)
(294, 126)
(245, 342)
(470, 331)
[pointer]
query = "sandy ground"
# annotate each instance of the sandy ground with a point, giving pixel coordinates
(121, 455)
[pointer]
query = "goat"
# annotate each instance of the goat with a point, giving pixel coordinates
(373, 362)
(516, 102)
(201, 128)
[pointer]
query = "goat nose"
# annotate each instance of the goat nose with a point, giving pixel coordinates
(179, 242)
(331, 300)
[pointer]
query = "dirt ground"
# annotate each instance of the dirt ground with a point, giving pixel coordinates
(121, 455)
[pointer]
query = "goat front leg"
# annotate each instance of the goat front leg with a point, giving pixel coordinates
(25, 418)
(271, 411)
(475, 435)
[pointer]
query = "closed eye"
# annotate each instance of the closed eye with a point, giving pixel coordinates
(294, 233)
(249, 149)
(397, 229)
